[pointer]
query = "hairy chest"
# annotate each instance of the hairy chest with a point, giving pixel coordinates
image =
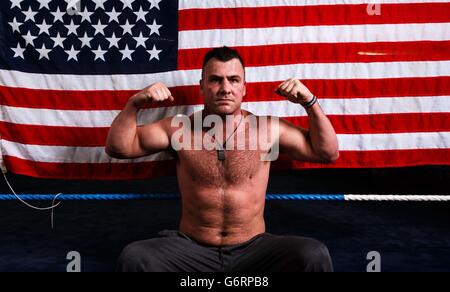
(205, 167)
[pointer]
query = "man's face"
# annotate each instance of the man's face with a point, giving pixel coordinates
(223, 86)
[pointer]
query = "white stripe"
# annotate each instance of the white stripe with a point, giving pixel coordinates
(401, 141)
(62, 154)
(202, 4)
(69, 118)
(406, 198)
(254, 74)
(356, 106)
(313, 34)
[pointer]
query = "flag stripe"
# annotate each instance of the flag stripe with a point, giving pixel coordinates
(385, 123)
(89, 171)
(350, 124)
(383, 81)
(109, 171)
(283, 108)
(254, 74)
(375, 159)
(347, 142)
(189, 95)
(194, 39)
(202, 4)
(259, 17)
(328, 53)
(67, 154)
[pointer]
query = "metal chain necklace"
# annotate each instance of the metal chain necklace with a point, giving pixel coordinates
(221, 150)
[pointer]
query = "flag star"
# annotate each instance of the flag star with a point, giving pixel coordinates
(29, 39)
(43, 52)
(85, 15)
(44, 3)
(72, 54)
(99, 4)
(85, 41)
(29, 15)
(141, 14)
(126, 53)
(154, 3)
(99, 53)
(140, 40)
(58, 15)
(154, 53)
(72, 28)
(154, 28)
(43, 27)
(127, 3)
(127, 28)
(113, 15)
(113, 41)
(58, 41)
(16, 3)
(18, 51)
(99, 27)
(15, 25)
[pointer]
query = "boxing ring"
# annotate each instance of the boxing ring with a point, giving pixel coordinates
(269, 197)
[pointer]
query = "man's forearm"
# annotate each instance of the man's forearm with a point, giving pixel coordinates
(123, 130)
(323, 137)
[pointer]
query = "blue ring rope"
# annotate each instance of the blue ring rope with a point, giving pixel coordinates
(123, 197)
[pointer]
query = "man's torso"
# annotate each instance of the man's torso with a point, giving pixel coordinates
(223, 201)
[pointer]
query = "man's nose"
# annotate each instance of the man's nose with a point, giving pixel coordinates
(225, 87)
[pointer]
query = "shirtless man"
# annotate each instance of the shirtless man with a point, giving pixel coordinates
(223, 192)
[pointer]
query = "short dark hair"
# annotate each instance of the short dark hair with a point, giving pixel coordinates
(223, 54)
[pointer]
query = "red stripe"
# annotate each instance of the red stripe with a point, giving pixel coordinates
(65, 99)
(255, 56)
(350, 159)
(190, 95)
(54, 136)
(363, 124)
(386, 123)
(374, 159)
(90, 171)
(254, 17)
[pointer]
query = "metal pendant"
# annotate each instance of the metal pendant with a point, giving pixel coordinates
(221, 155)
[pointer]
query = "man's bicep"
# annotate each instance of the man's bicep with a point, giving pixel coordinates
(296, 143)
(152, 138)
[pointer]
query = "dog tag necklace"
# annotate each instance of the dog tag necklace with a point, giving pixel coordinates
(221, 150)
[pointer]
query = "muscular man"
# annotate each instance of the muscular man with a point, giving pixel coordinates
(223, 190)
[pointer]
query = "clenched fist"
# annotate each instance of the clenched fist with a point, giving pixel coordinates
(295, 91)
(157, 92)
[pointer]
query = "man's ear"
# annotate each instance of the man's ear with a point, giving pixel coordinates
(245, 88)
(201, 86)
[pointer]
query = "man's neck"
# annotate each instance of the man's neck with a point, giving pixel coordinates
(236, 117)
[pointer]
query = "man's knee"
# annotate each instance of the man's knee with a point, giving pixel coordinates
(312, 255)
(140, 256)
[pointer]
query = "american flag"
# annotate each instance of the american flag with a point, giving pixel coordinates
(67, 68)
